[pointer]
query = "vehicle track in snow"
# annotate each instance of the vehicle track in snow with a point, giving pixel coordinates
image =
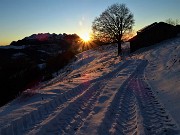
(69, 116)
(136, 110)
(133, 110)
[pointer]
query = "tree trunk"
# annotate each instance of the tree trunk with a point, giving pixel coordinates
(119, 48)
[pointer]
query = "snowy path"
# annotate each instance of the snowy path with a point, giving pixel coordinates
(106, 97)
(68, 117)
(101, 106)
(163, 73)
(135, 110)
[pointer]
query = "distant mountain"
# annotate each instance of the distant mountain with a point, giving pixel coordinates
(46, 38)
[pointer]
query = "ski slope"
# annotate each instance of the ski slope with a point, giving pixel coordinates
(98, 94)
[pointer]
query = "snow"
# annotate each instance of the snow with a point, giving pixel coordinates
(163, 73)
(101, 94)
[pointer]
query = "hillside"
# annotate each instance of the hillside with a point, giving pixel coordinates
(23, 67)
(163, 72)
(31, 60)
(101, 93)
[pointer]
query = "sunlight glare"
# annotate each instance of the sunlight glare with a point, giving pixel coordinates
(85, 37)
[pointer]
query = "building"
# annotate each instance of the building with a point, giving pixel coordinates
(152, 34)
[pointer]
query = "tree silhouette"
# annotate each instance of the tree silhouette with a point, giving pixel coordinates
(173, 22)
(113, 24)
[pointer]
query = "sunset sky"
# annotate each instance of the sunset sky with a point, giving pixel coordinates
(21, 18)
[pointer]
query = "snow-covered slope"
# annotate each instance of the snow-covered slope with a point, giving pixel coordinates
(97, 94)
(163, 73)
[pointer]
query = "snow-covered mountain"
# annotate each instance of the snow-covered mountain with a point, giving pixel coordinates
(103, 94)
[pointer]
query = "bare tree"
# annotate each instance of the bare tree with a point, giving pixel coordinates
(113, 23)
(172, 22)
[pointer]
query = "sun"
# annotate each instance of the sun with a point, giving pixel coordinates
(85, 37)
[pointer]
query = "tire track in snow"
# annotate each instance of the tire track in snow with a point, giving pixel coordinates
(156, 120)
(121, 116)
(46, 110)
(94, 120)
(70, 116)
(136, 110)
